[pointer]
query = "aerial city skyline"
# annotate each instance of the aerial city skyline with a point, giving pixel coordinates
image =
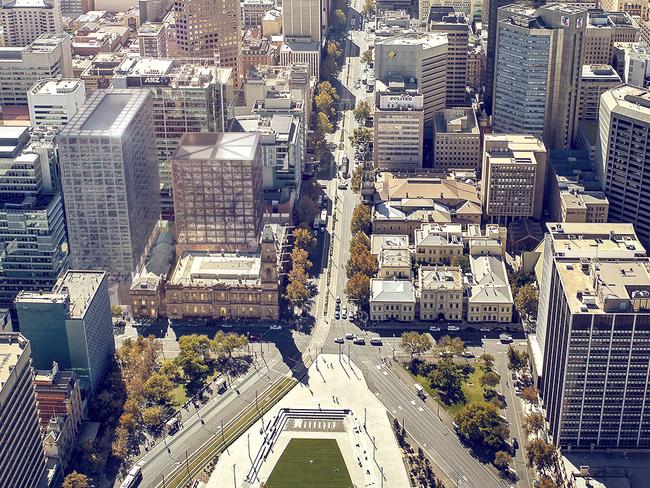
(324, 243)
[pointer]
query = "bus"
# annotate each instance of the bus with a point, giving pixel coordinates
(323, 218)
(134, 478)
(345, 167)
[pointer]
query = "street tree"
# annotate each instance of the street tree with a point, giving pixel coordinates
(116, 311)
(447, 343)
(297, 293)
(534, 423)
(357, 178)
(547, 482)
(489, 379)
(502, 460)
(153, 417)
(325, 104)
(481, 424)
(361, 217)
(304, 239)
(157, 389)
(362, 262)
(362, 111)
(447, 378)
(357, 289)
(325, 86)
(530, 394)
(488, 360)
(224, 345)
(366, 57)
(415, 343)
(333, 49)
(307, 209)
(517, 360)
(369, 7)
(540, 455)
(526, 300)
(360, 242)
(77, 480)
(323, 123)
(361, 135)
(300, 259)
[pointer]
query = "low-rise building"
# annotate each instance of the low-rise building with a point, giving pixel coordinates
(60, 409)
(392, 300)
(300, 52)
(456, 140)
(101, 71)
(152, 40)
(395, 263)
(403, 204)
(379, 242)
(440, 293)
(252, 11)
(272, 23)
(53, 102)
(256, 52)
(633, 62)
(489, 298)
(436, 244)
(226, 285)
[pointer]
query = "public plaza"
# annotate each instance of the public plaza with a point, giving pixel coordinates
(333, 403)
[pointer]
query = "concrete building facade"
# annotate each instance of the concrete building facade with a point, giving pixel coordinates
(623, 155)
(513, 175)
(23, 462)
(71, 325)
(53, 102)
(23, 21)
(456, 140)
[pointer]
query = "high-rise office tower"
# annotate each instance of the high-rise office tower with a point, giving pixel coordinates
(207, 28)
(623, 155)
(301, 19)
(538, 68)
(187, 97)
(493, 7)
(603, 30)
(33, 245)
(22, 462)
(422, 56)
(596, 363)
(513, 173)
(22, 21)
(109, 176)
(49, 56)
(71, 325)
(217, 182)
(455, 25)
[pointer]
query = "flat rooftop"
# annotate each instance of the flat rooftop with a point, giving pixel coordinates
(12, 346)
(56, 86)
(215, 146)
(603, 72)
(81, 287)
(106, 113)
(598, 240)
(629, 100)
(593, 286)
(201, 268)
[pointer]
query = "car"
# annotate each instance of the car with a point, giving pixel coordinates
(275, 327)
(338, 299)
(434, 329)
(515, 443)
(349, 336)
(359, 341)
(253, 338)
(337, 314)
(446, 354)
(485, 329)
(467, 354)
(226, 326)
(376, 341)
(337, 307)
(453, 328)
(344, 314)
(339, 340)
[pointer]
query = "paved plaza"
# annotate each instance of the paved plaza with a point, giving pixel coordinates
(333, 403)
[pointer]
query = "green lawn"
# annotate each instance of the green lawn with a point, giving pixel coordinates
(472, 389)
(310, 463)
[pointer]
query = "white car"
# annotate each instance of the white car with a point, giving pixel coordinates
(434, 329)
(485, 329)
(453, 328)
(275, 327)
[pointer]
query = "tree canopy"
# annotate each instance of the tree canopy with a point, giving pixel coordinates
(361, 218)
(480, 423)
(415, 343)
(357, 289)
